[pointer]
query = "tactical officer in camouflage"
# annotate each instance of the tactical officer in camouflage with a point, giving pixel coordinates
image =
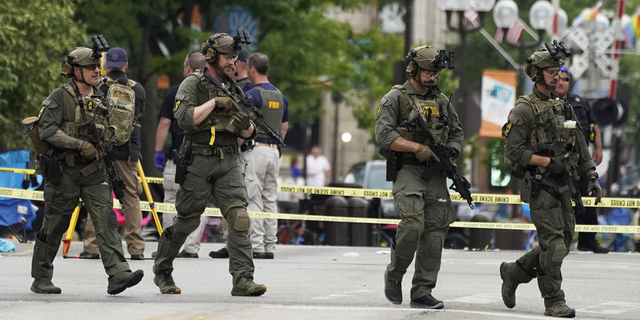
(82, 174)
(538, 120)
(210, 149)
(424, 206)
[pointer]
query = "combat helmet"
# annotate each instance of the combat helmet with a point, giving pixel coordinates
(424, 57)
(216, 44)
(540, 60)
(81, 56)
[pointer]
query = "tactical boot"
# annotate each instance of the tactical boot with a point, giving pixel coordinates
(246, 287)
(220, 254)
(427, 302)
(393, 291)
(560, 310)
(44, 286)
(123, 280)
(512, 276)
(165, 282)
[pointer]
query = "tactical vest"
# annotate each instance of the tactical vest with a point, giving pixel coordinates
(272, 108)
(72, 117)
(548, 114)
(211, 131)
(433, 110)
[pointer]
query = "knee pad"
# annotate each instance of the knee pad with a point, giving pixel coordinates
(559, 253)
(409, 231)
(112, 218)
(62, 225)
(240, 220)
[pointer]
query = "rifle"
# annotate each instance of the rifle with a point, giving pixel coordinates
(460, 184)
(106, 151)
(558, 148)
(244, 105)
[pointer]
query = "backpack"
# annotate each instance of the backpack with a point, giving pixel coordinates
(123, 112)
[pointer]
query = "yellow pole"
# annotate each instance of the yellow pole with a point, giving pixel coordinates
(152, 205)
(72, 228)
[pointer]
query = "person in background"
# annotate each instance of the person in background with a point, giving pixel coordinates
(318, 168)
(586, 240)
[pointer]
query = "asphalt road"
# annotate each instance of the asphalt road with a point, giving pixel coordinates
(315, 283)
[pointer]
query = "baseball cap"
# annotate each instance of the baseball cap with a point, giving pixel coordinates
(116, 58)
(243, 55)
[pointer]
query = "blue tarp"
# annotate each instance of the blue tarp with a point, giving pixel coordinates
(13, 211)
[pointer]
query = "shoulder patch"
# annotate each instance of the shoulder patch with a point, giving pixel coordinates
(180, 96)
(46, 102)
(383, 101)
(577, 99)
(506, 129)
(512, 118)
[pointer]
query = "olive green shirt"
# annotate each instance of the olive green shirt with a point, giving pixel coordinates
(521, 120)
(395, 108)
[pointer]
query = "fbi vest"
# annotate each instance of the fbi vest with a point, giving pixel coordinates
(434, 110)
(272, 108)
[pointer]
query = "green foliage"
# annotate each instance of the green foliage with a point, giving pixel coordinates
(35, 37)
(494, 156)
(470, 150)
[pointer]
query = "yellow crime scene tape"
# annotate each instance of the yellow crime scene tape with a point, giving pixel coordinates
(215, 212)
(630, 203)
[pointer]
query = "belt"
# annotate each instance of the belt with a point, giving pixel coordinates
(214, 151)
(270, 145)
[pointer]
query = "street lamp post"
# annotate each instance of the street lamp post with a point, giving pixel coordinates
(470, 122)
(541, 16)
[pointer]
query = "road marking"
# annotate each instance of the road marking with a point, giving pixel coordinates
(613, 307)
(341, 295)
(481, 298)
(205, 316)
(167, 316)
(396, 309)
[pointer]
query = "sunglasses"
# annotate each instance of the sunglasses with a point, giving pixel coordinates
(564, 79)
(91, 67)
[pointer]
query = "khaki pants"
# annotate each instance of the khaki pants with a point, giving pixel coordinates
(128, 171)
(263, 166)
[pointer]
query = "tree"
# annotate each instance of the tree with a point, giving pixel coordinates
(309, 52)
(35, 37)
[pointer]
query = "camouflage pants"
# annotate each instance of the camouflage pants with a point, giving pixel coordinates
(60, 201)
(426, 212)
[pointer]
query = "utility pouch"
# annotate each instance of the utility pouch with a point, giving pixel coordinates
(31, 129)
(52, 169)
(90, 169)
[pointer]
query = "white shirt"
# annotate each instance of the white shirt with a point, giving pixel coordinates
(316, 166)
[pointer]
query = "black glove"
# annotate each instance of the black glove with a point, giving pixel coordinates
(556, 166)
(595, 190)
